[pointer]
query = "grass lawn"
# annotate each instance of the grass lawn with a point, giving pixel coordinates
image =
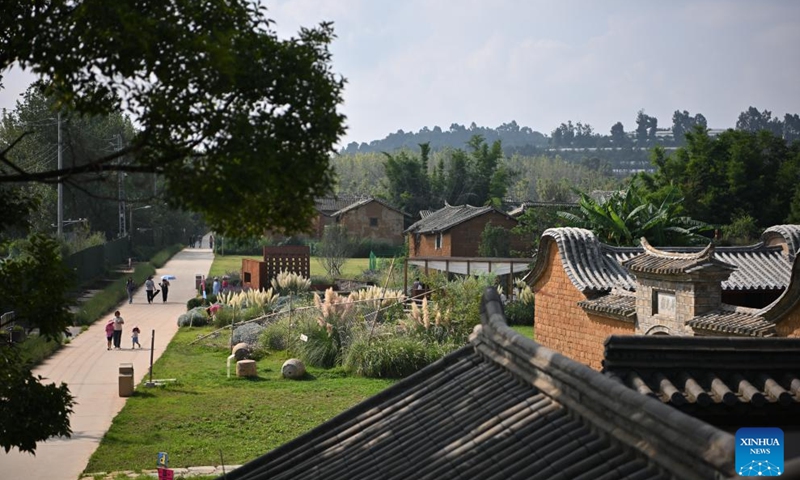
(353, 267)
(206, 413)
(524, 330)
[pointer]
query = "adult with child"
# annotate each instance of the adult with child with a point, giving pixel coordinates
(118, 322)
(150, 289)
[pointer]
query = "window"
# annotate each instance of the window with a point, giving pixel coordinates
(373, 222)
(247, 277)
(438, 241)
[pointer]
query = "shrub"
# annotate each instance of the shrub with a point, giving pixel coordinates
(262, 299)
(276, 336)
(391, 356)
(287, 282)
(195, 317)
(519, 313)
(199, 301)
(247, 333)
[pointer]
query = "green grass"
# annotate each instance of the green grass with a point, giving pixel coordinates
(524, 330)
(353, 267)
(205, 412)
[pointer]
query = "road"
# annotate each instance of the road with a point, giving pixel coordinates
(91, 372)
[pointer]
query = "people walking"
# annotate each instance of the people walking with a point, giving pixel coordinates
(150, 289)
(135, 337)
(118, 322)
(164, 289)
(130, 287)
(109, 332)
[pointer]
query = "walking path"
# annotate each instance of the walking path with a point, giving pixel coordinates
(91, 372)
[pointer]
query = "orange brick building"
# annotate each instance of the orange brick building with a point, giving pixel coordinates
(586, 291)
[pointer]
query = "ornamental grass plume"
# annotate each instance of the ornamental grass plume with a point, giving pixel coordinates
(287, 282)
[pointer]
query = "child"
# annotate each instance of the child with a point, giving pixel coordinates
(135, 337)
(110, 332)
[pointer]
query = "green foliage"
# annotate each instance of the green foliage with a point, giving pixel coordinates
(248, 333)
(323, 347)
(495, 242)
(30, 411)
(276, 335)
(743, 230)
(460, 302)
(220, 98)
(391, 356)
(287, 282)
(625, 217)
(199, 301)
(519, 313)
(195, 317)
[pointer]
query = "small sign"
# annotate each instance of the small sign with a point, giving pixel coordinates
(304, 337)
(163, 460)
(166, 474)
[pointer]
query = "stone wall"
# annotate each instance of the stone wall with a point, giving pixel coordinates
(664, 305)
(562, 325)
(374, 221)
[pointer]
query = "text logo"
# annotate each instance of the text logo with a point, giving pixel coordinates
(759, 452)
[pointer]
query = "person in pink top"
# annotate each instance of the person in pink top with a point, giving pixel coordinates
(110, 332)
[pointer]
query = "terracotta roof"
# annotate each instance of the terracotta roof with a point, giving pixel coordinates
(594, 267)
(711, 376)
(364, 201)
(733, 321)
(503, 407)
(448, 217)
(621, 307)
(652, 260)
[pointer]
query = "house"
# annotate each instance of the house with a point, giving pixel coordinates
(455, 231)
(586, 291)
(364, 217)
(503, 407)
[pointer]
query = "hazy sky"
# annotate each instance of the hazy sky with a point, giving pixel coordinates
(415, 63)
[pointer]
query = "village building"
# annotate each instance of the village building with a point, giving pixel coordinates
(364, 217)
(455, 231)
(586, 291)
(505, 407)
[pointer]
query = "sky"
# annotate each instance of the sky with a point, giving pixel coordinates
(416, 63)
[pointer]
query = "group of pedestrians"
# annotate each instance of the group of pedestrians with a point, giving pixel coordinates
(114, 333)
(149, 288)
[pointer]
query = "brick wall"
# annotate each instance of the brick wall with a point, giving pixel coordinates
(789, 326)
(389, 226)
(562, 325)
(427, 246)
(468, 235)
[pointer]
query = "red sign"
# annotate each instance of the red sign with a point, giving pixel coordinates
(166, 474)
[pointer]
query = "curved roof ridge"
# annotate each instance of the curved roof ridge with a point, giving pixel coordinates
(703, 254)
(790, 234)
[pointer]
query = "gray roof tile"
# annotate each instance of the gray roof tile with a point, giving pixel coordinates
(622, 307)
(363, 201)
(652, 260)
(503, 407)
(597, 268)
(733, 321)
(448, 217)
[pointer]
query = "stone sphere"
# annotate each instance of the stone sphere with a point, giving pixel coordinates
(293, 369)
(241, 351)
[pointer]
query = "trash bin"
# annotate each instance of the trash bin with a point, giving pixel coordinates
(198, 280)
(125, 379)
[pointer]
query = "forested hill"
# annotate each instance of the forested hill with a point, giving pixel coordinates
(515, 139)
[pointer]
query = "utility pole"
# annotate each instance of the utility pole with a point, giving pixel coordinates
(60, 214)
(123, 230)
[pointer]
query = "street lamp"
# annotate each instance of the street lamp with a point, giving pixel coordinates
(130, 220)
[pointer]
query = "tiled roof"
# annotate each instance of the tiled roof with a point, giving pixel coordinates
(503, 407)
(329, 205)
(733, 321)
(711, 376)
(515, 212)
(363, 201)
(424, 213)
(622, 307)
(663, 262)
(597, 268)
(448, 217)
(790, 235)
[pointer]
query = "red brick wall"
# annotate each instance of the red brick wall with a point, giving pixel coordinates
(389, 228)
(562, 325)
(427, 246)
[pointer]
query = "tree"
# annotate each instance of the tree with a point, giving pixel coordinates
(495, 242)
(618, 135)
(791, 127)
(752, 120)
(227, 110)
(35, 285)
(336, 247)
(683, 122)
(407, 183)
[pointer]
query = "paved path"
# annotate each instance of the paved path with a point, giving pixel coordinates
(91, 372)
